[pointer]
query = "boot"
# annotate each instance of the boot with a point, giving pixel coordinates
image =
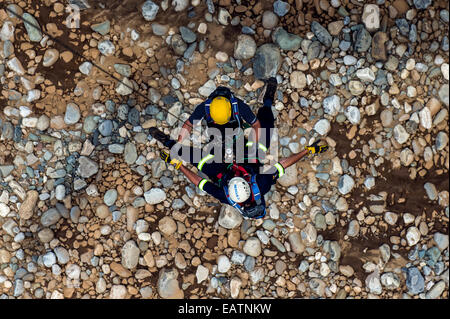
(160, 136)
(271, 89)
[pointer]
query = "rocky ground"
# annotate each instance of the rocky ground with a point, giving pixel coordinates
(88, 210)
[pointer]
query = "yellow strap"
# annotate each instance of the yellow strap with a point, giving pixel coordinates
(202, 183)
(280, 169)
(204, 160)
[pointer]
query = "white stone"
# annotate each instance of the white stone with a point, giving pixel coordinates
(365, 74)
(444, 70)
(252, 247)
(155, 196)
(400, 134)
(412, 236)
(124, 87)
(353, 114)
(33, 95)
(371, 17)
(229, 217)
(425, 118)
(332, 105)
(201, 273)
(223, 264)
(322, 126)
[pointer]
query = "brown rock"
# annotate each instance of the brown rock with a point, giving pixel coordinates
(434, 105)
(57, 122)
(378, 46)
(132, 216)
(401, 6)
(67, 56)
(27, 208)
(120, 270)
(335, 27)
(102, 211)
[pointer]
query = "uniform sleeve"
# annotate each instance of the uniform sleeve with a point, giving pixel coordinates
(213, 190)
(269, 177)
(198, 114)
(246, 113)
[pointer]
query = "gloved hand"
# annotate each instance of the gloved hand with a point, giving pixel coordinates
(165, 156)
(314, 148)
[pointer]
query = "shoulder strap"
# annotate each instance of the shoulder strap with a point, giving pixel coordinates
(207, 111)
(255, 190)
(232, 203)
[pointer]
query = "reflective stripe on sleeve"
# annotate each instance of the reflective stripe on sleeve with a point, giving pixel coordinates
(280, 169)
(202, 183)
(204, 160)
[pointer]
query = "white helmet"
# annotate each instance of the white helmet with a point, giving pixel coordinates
(238, 189)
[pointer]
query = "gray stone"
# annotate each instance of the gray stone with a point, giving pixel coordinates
(267, 61)
(444, 94)
(86, 68)
(116, 148)
(441, 140)
(62, 255)
(422, 4)
(353, 114)
(322, 126)
(177, 44)
(390, 280)
(321, 33)
(149, 10)
(285, 40)
(49, 259)
(102, 28)
(441, 240)
(252, 247)
(106, 47)
(123, 69)
(168, 286)
(281, 8)
(130, 153)
(238, 257)
(110, 197)
(207, 88)
(345, 184)
(178, 203)
(353, 228)
(33, 28)
(436, 291)
(86, 167)
(130, 255)
(431, 191)
(188, 35)
(414, 281)
(244, 47)
(362, 39)
(373, 283)
(155, 196)
(72, 115)
(332, 105)
(229, 217)
(105, 128)
(50, 217)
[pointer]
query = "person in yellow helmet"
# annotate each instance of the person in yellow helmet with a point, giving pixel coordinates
(221, 110)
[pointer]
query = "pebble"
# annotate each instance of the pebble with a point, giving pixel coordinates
(223, 264)
(130, 255)
(332, 105)
(441, 240)
(33, 28)
(267, 61)
(321, 33)
(86, 68)
(72, 115)
(269, 20)
(345, 184)
(110, 197)
(50, 57)
(50, 217)
(413, 236)
(106, 47)
(201, 273)
(285, 40)
(281, 8)
(322, 126)
(298, 80)
(155, 196)
(414, 281)
(245, 47)
(168, 286)
(149, 10)
(187, 35)
(431, 191)
(252, 247)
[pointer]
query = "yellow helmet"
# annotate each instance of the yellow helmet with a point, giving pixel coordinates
(220, 110)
